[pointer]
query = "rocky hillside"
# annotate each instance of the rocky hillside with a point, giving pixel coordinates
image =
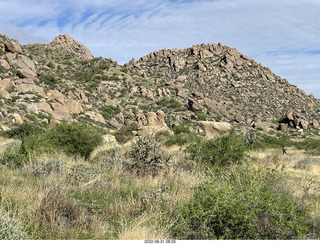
(62, 81)
(223, 82)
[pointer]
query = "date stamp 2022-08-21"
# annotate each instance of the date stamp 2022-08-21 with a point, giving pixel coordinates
(160, 241)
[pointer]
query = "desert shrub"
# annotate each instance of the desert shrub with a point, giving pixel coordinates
(73, 139)
(46, 166)
(147, 156)
(109, 111)
(179, 129)
(200, 115)
(82, 173)
(240, 203)
(48, 79)
(11, 229)
(264, 141)
(13, 158)
(219, 151)
(31, 117)
(22, 131)
(182, 139)
(110, 158)
(171, 104)
(124, 134)
(56, 210)
(310, 145)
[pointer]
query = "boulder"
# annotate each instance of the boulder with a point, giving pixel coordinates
(283, 127)
(212, 129)
(141, 119)
(43, 106)
(6, 84)
(17, 118)
(56, 95)
(4, 64)
(315, 123)
(13, 47)
(25, 67)
(194, 106)
(73, 106)
(31, 88)
(181, 92)
(114, 123)
(156, 119)
(59, 107)
(290, 116)
(146, 93)
(261, 125)
(5, 94)
(239, 118)
(59, 115)
(95, 116)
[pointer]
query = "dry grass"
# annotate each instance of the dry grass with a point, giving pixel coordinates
(108, 206)
(302, 173)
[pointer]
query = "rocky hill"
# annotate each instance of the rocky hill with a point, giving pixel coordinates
(62, 81)
(221, 81)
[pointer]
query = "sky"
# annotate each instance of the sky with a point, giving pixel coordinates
(283, 35)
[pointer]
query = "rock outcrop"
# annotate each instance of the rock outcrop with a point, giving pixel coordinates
(213, 129)
(68, 44)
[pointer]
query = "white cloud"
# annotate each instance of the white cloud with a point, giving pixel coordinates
(270, 31)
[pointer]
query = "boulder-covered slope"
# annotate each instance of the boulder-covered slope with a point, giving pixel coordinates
(62, 81)
(217, 77)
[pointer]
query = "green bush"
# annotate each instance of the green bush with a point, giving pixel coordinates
(179, 129)
(240, 203)
(182, 139)
(73, 139)
(220, 151)
(10, 229)
(48, 79)
(22, 131)
(267, 141)
(109, 111)
(124, 134)
(13, 158)
(310, 145)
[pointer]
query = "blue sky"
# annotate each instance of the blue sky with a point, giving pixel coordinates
(282, 35)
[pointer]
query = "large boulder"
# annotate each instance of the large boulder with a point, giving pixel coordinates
(59, 107)
(4, 64)
(155, 123)
(31, 88)
(73, 106)
(5, 94)
(43, 106)
(13, 47)
(6, 84)
(156, 119)
(58, 116)
(212, 129)
(55, 95)
(25, 67)
(17, 118)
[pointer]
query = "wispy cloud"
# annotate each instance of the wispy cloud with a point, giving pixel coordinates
(283, 35)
